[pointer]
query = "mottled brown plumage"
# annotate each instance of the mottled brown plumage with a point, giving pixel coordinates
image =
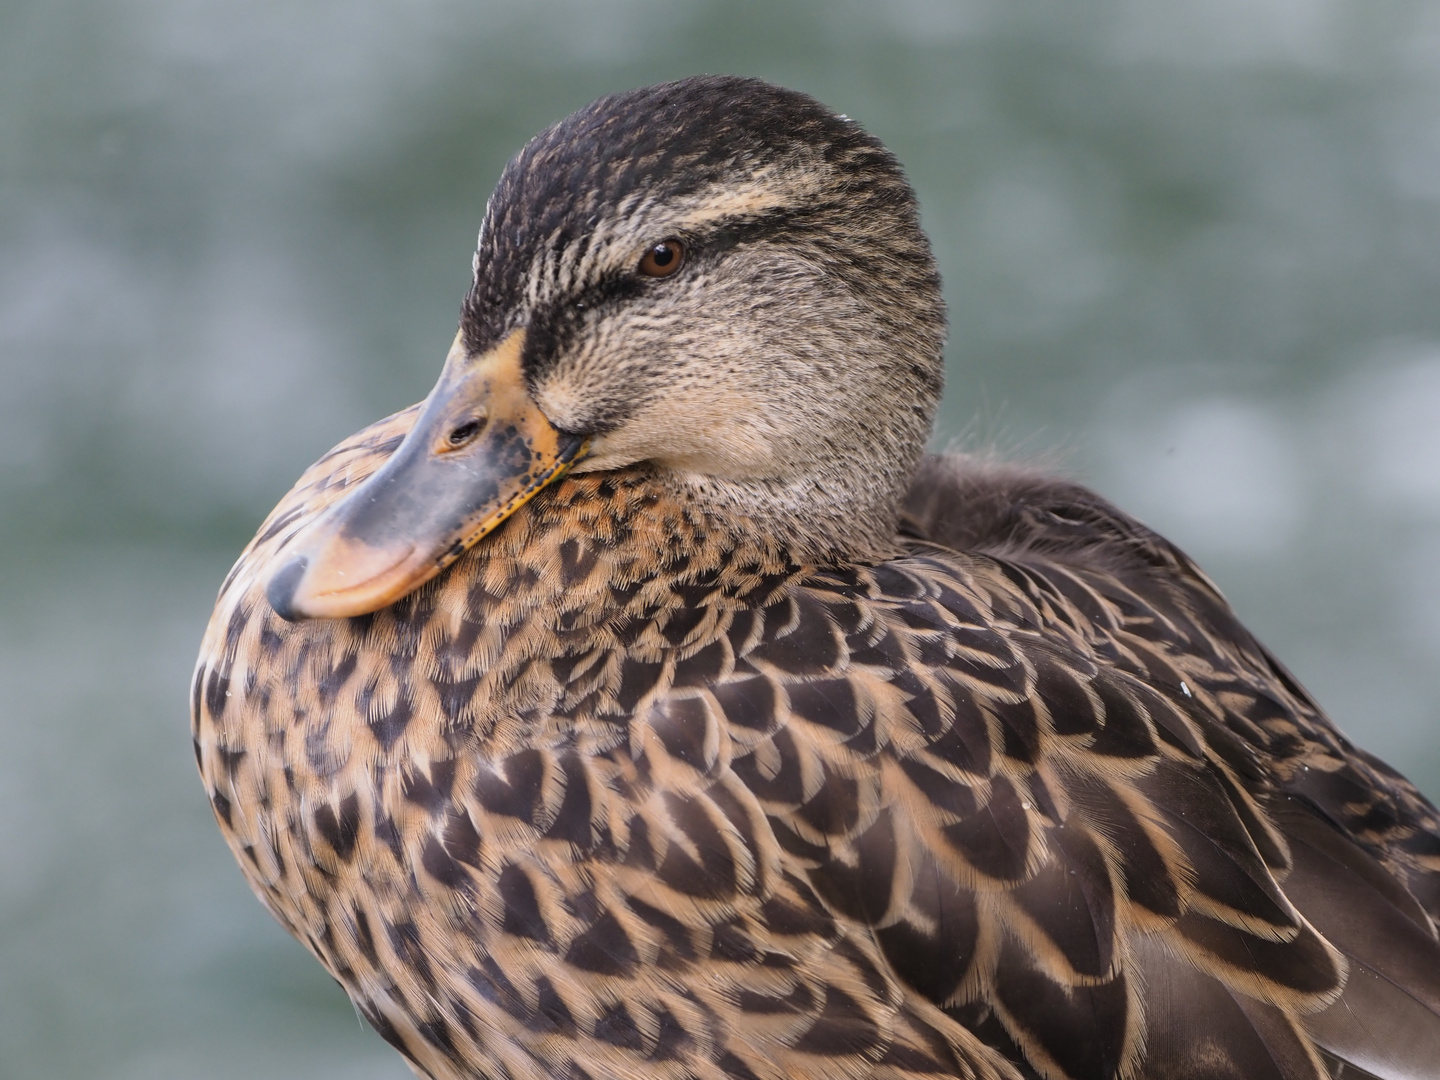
(657, 782)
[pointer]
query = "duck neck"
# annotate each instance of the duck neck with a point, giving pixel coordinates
(823, 519)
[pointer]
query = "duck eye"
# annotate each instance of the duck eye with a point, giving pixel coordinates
(663, 259)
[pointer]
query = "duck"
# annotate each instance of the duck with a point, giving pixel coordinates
(648, 702)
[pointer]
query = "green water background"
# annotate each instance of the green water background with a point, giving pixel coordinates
(1191, 251)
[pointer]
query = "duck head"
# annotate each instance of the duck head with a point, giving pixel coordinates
(716, 278)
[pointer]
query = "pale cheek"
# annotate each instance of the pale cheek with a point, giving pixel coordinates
(726, 436)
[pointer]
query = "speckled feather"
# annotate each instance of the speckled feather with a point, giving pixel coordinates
(628, 791)
(709, 763)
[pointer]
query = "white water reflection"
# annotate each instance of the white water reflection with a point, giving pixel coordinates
(1398, 432)
(1219, 472)
(1247, 477)
(1415, 584)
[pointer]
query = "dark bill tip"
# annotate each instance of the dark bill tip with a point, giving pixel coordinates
(431, 500)
(281, 590)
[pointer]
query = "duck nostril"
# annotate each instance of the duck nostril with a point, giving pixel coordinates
(463, 433)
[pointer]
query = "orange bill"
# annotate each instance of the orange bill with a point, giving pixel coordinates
(480, 450)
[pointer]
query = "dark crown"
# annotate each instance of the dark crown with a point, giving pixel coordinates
(664, 141)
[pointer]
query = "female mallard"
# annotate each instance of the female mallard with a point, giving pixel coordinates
(754, 745)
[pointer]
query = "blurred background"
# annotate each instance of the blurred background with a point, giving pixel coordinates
(1192, 253)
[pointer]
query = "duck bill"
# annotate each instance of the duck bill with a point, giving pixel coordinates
(479, 451)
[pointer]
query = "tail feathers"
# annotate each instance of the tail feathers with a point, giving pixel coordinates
(1387, 1020)
(1378, 1028)
(1384, 1026)
(1339, 1070)
(1199, 1028)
